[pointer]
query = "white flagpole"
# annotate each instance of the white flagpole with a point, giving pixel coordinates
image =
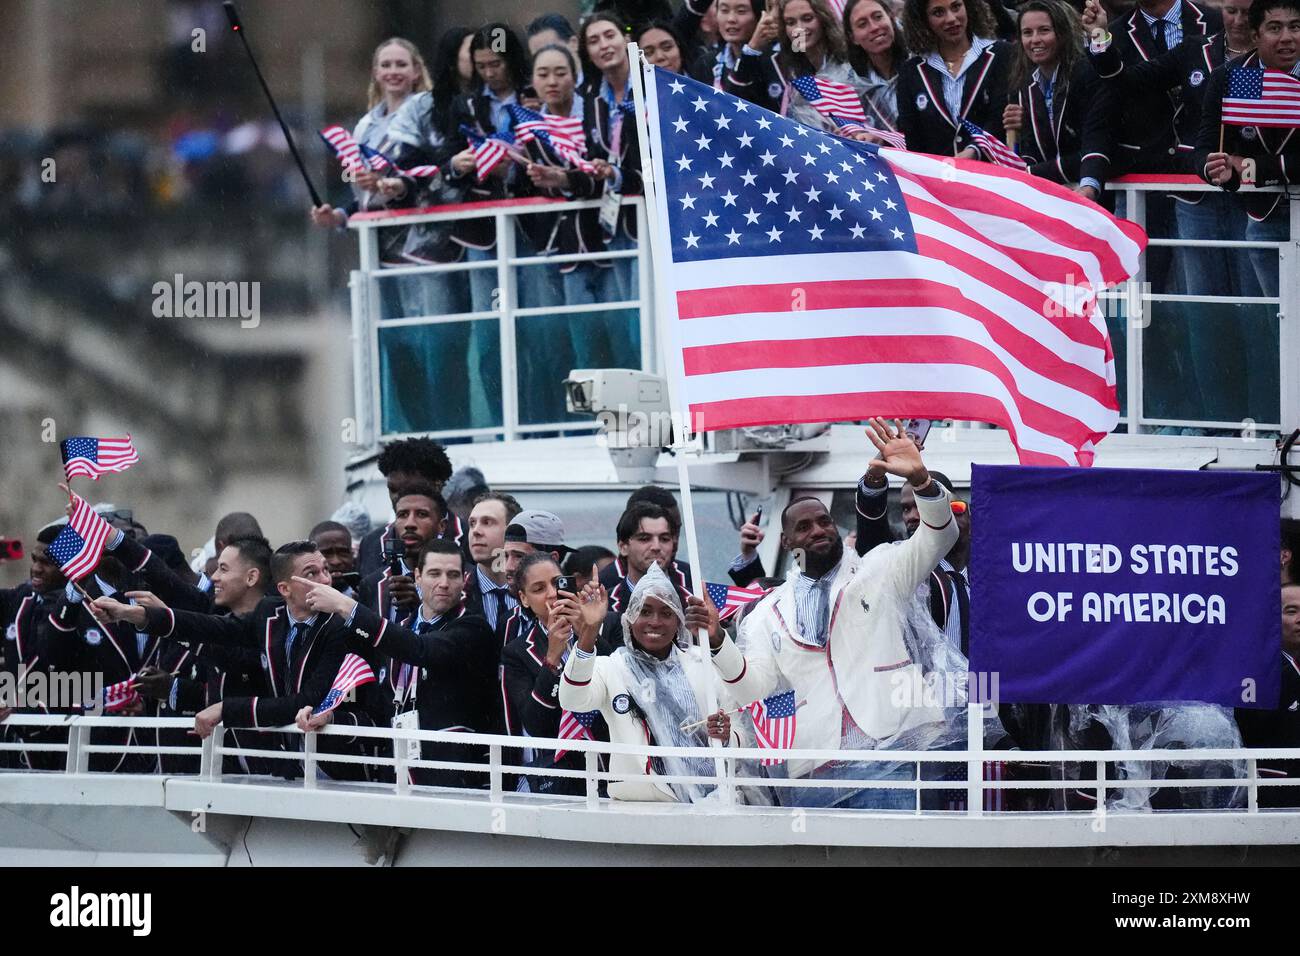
(644, 92)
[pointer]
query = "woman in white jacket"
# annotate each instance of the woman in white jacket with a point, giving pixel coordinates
(647, 691)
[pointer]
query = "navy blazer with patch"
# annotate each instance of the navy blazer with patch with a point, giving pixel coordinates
(923, 115)
(1054, 144)
(1145, 118)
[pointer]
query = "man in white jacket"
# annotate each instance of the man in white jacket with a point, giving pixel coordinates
(835, 634)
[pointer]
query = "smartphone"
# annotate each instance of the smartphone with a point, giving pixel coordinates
(394, 552)
(347, 579)
(565, 582)
(11, 549)
(917, 428)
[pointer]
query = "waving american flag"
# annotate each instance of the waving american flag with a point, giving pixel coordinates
(812, 278)
(840, 102)
(774, 723)
(80, 543)
(353, 672)
(575, 726)
(729, 599)
(96, 456)
(1257, 97)
(561, 134)
(992, 147)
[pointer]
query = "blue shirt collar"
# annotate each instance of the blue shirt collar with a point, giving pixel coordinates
(1173, 15)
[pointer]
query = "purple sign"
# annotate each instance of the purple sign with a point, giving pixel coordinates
(1117, 586)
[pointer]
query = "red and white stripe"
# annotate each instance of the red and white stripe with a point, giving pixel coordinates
(998, 151)
(993, 318)
(113, 454)
(777, 734)
(488, 155)
(94, 531)
(838, 99)
(891, 137)
(1280, 105)
(345, 147)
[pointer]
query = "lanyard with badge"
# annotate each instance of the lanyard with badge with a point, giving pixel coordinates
(611, 199)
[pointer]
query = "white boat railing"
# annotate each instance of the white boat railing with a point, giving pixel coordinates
(368, 321)
(738, 766)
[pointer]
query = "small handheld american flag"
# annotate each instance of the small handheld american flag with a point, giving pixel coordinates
(1257, 97)
(997, 151)
(385, 165)
(96, 456)
(80, 544)
(353, 672)
(120, 695)
(576, 726)
(357, 157)
(562, 134)
(774, 723)
(831, 98)
(729, 599)
(489, 151)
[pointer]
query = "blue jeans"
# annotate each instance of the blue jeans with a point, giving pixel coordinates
(1215, 336)
(538, 285)
(588, 284)
(857, 798)
(623, 328)
(1275, 228)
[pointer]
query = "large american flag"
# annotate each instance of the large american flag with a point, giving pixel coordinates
(729, 599)
(353, 672)
(80, 543)
(575, 726)
(812, 278)
(1257, 97)
(774, 723)
(96, 456)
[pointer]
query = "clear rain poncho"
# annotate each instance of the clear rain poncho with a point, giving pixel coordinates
(1161, 726)
(663, 691)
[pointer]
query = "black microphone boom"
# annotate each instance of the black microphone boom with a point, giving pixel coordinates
(233, 16)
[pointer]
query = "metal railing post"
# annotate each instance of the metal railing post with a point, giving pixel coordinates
(1135, 316)
(401, 773)
(309, 761)
(974, 761)
(362, 325)
(1252, 787)
(508, 301)
(77, 761)
(590, 766)
(205, 756)
(495, 788)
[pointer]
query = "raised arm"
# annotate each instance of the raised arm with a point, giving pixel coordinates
(916, 557)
